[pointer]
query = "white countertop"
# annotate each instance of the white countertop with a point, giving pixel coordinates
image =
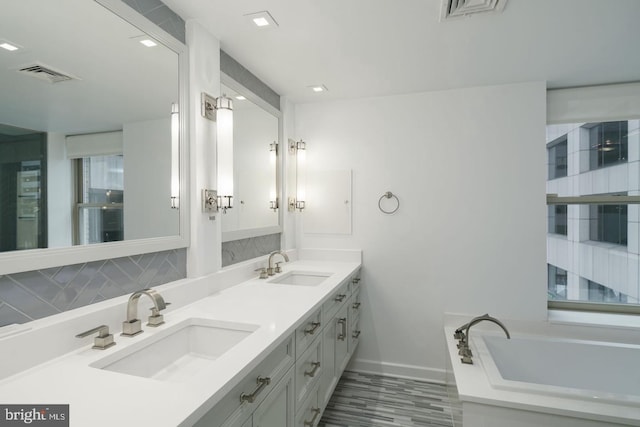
(103, 398)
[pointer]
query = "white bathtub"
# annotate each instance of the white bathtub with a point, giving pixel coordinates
(545, 380)
(578, 369)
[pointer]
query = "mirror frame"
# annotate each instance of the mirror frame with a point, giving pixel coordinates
(36, 259)
(229, 236)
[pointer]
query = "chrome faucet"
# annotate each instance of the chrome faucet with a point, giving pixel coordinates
(132, 326)
(271, 270)
(463, 337)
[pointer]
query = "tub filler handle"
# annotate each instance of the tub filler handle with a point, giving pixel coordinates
(463, 337)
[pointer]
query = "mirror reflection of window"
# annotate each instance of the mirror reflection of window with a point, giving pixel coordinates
(22, 189)
(100, 199)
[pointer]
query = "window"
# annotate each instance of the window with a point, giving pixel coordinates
(23, 189)
(100, 199)
(599, 293)
(608, 223)
(557, 155)
(557, 220)
(557, 283)
(596, 205)
(608, 143)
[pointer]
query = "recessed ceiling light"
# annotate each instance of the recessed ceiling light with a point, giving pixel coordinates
(262, 19)
(319, 88)
(148, 42)
(8, 46)
(240, 98)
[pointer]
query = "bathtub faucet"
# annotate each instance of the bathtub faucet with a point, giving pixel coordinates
(463, 337)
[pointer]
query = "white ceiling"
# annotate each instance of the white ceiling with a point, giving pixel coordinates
(361, 48)
(120, 80)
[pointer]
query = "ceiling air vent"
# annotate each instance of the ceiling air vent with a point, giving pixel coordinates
(458, 8)
(44, 72)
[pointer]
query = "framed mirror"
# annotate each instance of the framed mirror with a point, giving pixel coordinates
(256, 164)
(90, 134)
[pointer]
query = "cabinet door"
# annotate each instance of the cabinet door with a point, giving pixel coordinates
(342, 340)
(328, 378)
(277, 409)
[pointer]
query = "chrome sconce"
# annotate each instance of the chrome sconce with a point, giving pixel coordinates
(175, 156)
(220, 110)
(273, 195)
(299, 150)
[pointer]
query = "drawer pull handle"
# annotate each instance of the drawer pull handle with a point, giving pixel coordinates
(262, 383)
(316, 412)
(343, 322)
(312, 373)
(312, 330)
(355, 280)
(340, 298)
(356, 334)
(356, 305)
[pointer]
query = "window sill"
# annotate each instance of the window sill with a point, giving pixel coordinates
(568, 317)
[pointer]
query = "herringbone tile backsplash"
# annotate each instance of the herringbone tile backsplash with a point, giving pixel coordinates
(35, 294)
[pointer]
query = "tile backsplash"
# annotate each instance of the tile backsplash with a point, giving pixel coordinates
(245, 249)
(35, 294)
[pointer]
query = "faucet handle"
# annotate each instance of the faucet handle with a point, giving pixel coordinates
(263, 272)
(278, 268)
(156, 319)
(104, 339)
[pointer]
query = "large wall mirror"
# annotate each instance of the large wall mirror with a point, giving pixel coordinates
(91, 136)
(256, 162)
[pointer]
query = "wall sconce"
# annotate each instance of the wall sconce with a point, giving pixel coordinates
(175, 156)
(220, 110)
(273, 196)
(299, 149)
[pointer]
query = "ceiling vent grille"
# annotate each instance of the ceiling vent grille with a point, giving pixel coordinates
(44, 72)
(459, 8)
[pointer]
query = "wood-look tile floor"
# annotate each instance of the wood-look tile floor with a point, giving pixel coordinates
(366, 400)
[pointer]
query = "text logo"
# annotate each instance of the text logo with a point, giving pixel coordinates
(34, 415)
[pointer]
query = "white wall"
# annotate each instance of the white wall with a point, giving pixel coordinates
(59, 193)
(204, 252)
(468, 167)
(147, 166)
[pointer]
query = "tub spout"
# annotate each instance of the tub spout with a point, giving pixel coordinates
(490, 319)
(463, 345)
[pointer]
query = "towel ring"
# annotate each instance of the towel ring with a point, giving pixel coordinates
(388, 195)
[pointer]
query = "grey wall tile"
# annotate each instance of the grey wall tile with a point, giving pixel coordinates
(35, 294)
(241, 250)
(158, 13)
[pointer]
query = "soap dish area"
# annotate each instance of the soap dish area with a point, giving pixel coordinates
(178, 353)
(301, 278)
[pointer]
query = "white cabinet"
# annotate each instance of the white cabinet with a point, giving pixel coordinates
(293, 384)
(238, 405)
(277, 409)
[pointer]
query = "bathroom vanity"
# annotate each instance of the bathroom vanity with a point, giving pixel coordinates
(235, 350)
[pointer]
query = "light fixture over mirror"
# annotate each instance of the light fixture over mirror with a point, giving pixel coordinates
(220, 110)
(298, 149)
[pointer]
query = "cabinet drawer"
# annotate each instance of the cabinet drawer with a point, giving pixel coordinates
(308, 331)
(309, 412)
(308, 369)
(244, 398)
(337, 299)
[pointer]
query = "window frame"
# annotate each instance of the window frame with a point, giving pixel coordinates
(600, 307)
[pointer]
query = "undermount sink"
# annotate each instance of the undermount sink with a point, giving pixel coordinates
(301, 278)
(179, 352)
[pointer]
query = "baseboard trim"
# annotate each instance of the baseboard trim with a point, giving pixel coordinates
(399, 370)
